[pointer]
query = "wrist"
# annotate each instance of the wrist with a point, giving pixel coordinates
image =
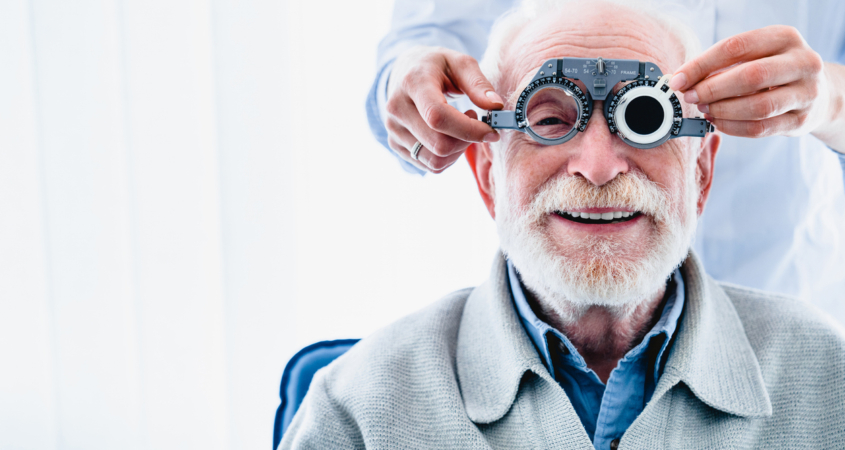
(832, 129)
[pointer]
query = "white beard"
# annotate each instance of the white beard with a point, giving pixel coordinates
(598, 271)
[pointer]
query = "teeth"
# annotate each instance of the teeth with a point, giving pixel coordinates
(600, 216)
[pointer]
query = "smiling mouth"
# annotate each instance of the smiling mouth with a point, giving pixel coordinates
(599, 218)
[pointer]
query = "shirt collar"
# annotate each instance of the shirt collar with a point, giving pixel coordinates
(711, 353)
(538, 330)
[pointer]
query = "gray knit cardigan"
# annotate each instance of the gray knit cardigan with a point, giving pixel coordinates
(747, 370)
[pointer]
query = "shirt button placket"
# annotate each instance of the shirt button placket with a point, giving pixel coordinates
(614, 444)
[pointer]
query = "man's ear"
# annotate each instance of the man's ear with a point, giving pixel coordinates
(480, 159)
(706, 163)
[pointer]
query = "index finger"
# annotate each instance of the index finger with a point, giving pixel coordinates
(742, 47)
(442, 117)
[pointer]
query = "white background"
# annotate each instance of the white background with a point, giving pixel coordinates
(189, 195)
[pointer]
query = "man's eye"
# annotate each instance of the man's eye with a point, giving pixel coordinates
(549, 121)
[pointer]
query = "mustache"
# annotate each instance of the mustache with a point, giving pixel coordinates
(630, 190)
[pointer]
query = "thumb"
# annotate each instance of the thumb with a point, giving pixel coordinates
(467, 76)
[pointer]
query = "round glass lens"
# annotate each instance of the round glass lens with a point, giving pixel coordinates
(644, 115)
(552, 112)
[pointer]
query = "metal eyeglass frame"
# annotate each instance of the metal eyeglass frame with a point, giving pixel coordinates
(599, 76)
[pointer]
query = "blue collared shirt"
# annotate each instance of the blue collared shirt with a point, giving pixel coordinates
(605, 410)
(775, 219)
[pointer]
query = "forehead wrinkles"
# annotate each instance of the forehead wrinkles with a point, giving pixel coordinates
(539, 41)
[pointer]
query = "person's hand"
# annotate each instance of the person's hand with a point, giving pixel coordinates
(760, 83)
(417, 110)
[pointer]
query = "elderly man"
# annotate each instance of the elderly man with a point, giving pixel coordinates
(776, 215)
(597, 327)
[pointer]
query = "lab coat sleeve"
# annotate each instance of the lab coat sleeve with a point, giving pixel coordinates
(841, 60)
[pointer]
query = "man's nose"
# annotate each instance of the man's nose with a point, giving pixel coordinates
(597, 157)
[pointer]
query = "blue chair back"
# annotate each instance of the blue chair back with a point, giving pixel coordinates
(297, 378)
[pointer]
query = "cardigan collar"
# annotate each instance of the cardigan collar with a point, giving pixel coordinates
(711, 353)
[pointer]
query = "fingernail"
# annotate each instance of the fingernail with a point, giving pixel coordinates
(494, 97)
(491, 137)
(678, 82)
(691, 97)
(704, 108)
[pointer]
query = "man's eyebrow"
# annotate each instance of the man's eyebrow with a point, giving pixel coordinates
(514, 95)
(620, 85)
(519, 88)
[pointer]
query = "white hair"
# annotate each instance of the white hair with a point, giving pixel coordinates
(671, 17)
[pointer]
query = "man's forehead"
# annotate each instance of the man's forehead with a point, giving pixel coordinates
(588, 36)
